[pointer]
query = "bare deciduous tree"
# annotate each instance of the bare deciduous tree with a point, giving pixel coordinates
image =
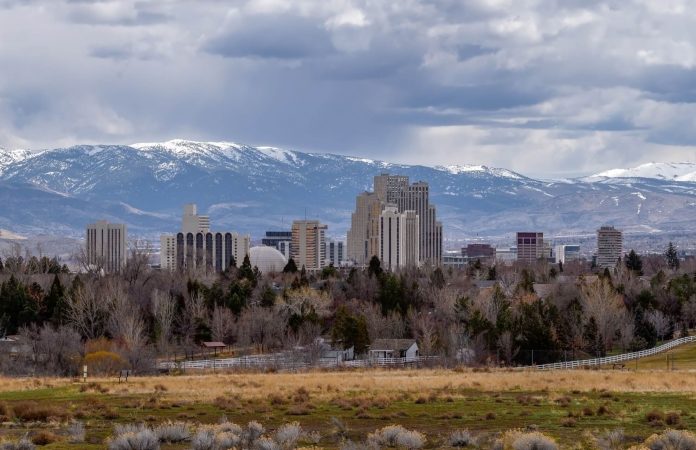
(88, 311)
(163, 310)
(659, 321)
(601, 301)
(222, 324)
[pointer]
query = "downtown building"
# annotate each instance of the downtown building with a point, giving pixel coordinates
(335, 253)
(609, 247)
(530, 247)
(364, 237)
(308, 247)
(280, 240)
(195, 246)
(105, 246)
(398, 238)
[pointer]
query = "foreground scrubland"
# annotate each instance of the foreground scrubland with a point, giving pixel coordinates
(428, 408)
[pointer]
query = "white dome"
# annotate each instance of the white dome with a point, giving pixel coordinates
(267, 259)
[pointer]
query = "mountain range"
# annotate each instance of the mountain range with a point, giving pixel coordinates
(252, 189)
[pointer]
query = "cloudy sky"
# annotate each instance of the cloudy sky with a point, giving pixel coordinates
(545, 87)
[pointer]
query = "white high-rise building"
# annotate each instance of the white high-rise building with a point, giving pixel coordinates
(106, 246)
(195, 246)
(609, 247)
(398, 238)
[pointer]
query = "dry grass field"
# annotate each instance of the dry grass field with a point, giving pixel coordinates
(572, 406)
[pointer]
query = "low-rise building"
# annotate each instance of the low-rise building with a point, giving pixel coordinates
(394, 348)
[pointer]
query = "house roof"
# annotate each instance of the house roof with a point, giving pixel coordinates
(392, 344)
(214, 344)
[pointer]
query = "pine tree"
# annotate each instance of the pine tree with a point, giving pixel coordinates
(634, 263)
(672, 257)
(2, 266)
(54, 304)
(375, 267)
(290, 267)
(247, 272)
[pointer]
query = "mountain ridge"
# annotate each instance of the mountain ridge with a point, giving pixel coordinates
(251, 189)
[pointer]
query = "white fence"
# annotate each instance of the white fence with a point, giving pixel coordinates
(616, 359)
(284, 361)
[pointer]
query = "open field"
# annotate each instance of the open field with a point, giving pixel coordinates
(681, 358)
(570, 406)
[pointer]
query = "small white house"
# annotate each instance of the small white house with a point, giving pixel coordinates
(394, 348)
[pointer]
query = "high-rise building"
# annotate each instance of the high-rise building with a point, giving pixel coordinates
(195, 246)
(609, 247)
(530, 247)
(334, 253)
(566, 253)
(398, 238)
(191, 222)
(361, 236)
(394, 190)
(106, 246)
(281, 240)
(309, 244)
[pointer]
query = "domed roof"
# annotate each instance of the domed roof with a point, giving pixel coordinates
(267, 259)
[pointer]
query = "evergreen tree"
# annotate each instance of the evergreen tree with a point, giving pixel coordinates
(672, 257)
(247, 272)
(16, 305)
(329, 272)
(593, 340)
(233, 263)
(634, 263)
(492, 273)
(55, 302)
(2, 266)
(290, 267)
(437, 278)
(304, 281)
(350, 331)
(392, 294)
(560, 266)
(268, 297)
(375, 267)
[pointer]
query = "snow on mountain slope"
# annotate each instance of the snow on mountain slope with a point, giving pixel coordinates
(660, 171)
(249, 188)
(8, 157)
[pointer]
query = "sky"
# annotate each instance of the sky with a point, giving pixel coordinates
(543, 87)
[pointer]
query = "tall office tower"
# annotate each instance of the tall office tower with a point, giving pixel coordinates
(398, 238)
(309, 244)
(195, 246)
(609, 247)
(389, 188)
(334, 252)
(396, 190)
(168, 252)
(361, 234)
(106, 245)
(530, 247)
(191, 222)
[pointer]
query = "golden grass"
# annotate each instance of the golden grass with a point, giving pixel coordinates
(329, 385)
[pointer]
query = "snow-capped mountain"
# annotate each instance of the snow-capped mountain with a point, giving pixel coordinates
(252, 189)
(8, 157)
(659, 171)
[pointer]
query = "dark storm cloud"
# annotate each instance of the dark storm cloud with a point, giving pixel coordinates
(572, 85)
(271, 36)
